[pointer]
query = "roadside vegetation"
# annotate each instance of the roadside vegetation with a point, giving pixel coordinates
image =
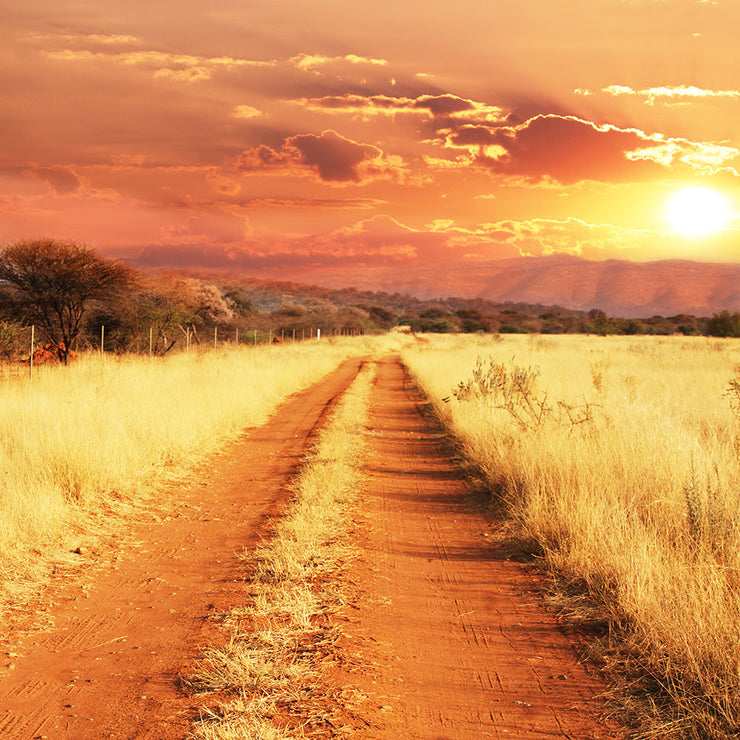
(271, 676)
(84, 445)
(616, 462)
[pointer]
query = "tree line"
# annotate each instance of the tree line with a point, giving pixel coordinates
(70, 293)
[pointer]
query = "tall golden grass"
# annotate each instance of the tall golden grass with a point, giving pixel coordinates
(79, 443)
(617, 460)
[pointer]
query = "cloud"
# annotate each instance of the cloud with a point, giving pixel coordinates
(62, 180)
(246, 111)
(330, 156)
(538, 236)
(668, 94)
(383, 241)
(163, 65)
(436, 106)
(569, 149)
(311, 62)
(191, 67)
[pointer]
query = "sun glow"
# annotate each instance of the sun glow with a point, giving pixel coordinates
(697, 211)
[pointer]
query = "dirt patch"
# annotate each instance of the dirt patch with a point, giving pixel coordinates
(457, 634)
(109, 665)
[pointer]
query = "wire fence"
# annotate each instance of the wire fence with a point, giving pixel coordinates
(28, 354)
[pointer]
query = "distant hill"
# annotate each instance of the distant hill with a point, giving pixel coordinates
(271, 295)
(619, 287)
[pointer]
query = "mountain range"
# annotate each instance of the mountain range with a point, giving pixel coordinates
(618, 287)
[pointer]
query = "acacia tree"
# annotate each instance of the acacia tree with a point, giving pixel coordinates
(50, 283)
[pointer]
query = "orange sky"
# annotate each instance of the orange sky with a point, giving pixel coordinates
(289, 135)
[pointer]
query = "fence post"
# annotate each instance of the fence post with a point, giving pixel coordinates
(215, 337)
(151, 337)
(318, 334)
(236, 341)
(255, 337)
(30, 361)
(102, 339)
(187, 341)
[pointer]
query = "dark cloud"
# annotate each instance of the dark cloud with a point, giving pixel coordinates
(333, 158)
(471, 135)
(443, 105)
(62, 180)
(437, 106)
(569, 149)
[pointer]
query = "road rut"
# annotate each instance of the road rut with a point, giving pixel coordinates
(463, 646)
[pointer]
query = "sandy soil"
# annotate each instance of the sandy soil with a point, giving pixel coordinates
(462, 644)
(109, 667)
(449, 639)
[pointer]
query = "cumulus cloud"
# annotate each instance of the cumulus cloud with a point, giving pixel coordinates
(330, 156)
(570, 149)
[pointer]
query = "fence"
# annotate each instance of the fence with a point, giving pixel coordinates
(27, 355)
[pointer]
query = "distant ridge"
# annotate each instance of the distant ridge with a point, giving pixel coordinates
(619, 287)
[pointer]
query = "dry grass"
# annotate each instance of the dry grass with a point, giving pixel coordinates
(282, 643)
(79, 446)
(617, 461)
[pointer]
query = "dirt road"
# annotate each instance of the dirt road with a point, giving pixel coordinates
(109, 668)
(460, 644)
(463, 646)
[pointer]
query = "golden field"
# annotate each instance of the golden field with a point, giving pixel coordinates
(616, 459)
(83, 445)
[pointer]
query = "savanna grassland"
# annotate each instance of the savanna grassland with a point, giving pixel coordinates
(616, 460)
(86, 445)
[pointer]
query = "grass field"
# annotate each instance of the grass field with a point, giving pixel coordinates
(83, 446)
(617, 461)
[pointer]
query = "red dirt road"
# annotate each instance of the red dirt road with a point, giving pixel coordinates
(450, 640)
(109, 668)
(463, 646)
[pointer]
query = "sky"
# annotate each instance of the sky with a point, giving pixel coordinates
(292, 136)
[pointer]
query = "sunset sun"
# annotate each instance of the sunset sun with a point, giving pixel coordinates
(697, 211)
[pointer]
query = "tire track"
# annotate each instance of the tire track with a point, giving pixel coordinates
(109, 667)
(462, 644)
